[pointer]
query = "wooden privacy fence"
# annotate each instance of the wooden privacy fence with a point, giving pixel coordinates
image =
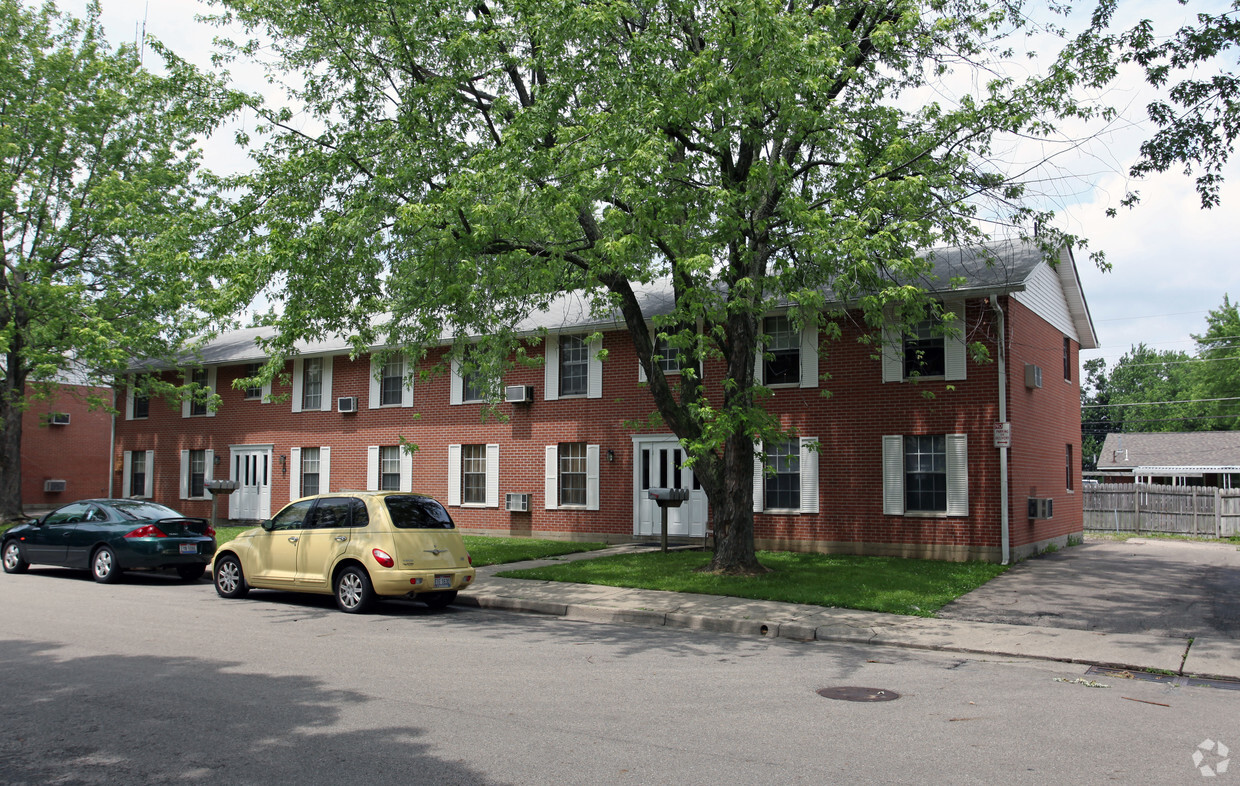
(1192, 510)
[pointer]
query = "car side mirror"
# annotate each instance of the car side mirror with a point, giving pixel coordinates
(267, 525)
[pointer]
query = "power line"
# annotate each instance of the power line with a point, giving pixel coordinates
(1155, 403)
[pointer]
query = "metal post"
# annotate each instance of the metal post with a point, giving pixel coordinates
(663, 509)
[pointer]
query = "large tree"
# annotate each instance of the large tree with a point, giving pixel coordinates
(1218, 372)
(102, 212)
(457, 164)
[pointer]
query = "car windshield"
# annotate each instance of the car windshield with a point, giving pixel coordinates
(137, 511)
(417, 513)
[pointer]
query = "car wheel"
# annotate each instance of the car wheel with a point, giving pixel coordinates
(103, 566)
(438, 600)
(13, 561)
(229, 580)
(354, 592)
(191, 572)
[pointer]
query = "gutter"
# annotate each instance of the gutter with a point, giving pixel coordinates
(1004, 502)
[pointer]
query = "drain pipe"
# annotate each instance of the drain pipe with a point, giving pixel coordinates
(1004, 526)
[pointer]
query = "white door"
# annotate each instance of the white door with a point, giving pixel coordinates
(660, 464)
(251, 468)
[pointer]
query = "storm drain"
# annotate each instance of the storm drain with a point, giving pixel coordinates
(850, 693)
(1165, 679)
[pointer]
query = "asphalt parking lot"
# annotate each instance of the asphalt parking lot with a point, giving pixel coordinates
(1162, 587)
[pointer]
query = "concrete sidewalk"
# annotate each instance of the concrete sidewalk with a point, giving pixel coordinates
(653, 608)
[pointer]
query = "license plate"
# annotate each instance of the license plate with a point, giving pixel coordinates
(189, 548)
(443, 581)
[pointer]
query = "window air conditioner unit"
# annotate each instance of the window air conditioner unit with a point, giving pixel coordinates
(517, 503)
(519, 394)
(59, 419)
(1041, 507)
(54, 486)
(347, 404)
(1033, 376)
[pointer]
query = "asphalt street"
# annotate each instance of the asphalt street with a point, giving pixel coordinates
(151, 681)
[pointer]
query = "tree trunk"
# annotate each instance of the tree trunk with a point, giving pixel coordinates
(11, 388)
(732, 511)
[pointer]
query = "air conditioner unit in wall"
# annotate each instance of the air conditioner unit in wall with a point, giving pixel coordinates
(54, 486)
(519, 394)
(59, 419)
(1033, 376)
(517, 503)
(1041, 507)
(347, 404)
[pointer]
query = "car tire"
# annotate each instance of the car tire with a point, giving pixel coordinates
(191, 572)
(13, 560)
(438, 600)
(104, 567)
(229, 579)
(354, 592)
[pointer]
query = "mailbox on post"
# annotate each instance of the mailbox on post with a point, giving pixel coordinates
(667, 498)
(215, 488)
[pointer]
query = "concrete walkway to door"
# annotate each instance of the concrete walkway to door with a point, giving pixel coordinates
(1177, 589)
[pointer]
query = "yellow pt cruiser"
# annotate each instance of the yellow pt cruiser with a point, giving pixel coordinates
(357, 545)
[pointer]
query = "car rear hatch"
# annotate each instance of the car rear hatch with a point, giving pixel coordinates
(428, 549)
(184, 527)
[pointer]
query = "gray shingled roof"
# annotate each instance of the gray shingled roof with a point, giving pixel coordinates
(1193, 450)
(998, 268)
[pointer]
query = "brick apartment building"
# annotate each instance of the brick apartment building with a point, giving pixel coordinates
(66, 447)
(895, 472)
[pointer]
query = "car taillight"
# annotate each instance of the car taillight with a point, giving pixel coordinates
(383, 558)
(148, 531)
(210, 531)
(469, 557)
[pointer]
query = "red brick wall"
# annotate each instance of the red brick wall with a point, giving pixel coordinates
(849, 414)
(76, 453)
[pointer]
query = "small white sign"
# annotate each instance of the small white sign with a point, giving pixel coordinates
(1003, 435)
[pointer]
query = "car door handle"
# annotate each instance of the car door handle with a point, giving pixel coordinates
(341, 538)
(293, 539)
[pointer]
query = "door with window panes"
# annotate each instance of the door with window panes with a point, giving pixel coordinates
(660, 464)
(251, 468)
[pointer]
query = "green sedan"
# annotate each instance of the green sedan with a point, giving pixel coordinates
(108, 536)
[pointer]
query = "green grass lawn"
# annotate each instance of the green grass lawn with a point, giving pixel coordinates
(484, 550)
(887, 584)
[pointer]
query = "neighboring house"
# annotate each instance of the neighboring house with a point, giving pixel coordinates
(1187, 458)
(881, 466)
(66, 448)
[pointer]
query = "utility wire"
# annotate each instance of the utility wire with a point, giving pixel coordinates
(1155, 403)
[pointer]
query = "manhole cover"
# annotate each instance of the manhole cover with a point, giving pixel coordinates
(849, 693)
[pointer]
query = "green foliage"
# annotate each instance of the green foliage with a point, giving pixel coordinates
(887, 584)
(1218, 374)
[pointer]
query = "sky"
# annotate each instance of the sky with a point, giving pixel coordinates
(1172, 262)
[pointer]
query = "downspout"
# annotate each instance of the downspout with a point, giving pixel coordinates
(1004, 524)
(112, 448)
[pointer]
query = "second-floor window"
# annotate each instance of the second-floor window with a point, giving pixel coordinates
(924, 352)
(392, 381)
(574, 366)
(312, 384)
(198, 406)
(782, 359)
(141, 405)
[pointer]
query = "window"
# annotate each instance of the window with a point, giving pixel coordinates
(1067, 359)
(389, 468)
(391, 382)
(574, 366)
(669, 359)
(141, 405)
(924, 353)
(473, 474)
(472, 387)
(198, 406)
(1068, 465)
(312, 384)
(309, 472)
(293, 516)
(572, 473)
(926, 474)
(783, 481)
(781, 362)
(255, 392)
(197, 473)
(137, 474)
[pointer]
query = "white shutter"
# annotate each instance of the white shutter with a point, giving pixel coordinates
(759, 359)
(186, 398)
(893, 348)
(208, 471)
(299, 365)
(592, 477)
(372, 468)
(551, 479)
(129, 401)
(809, 475)
(893, 475)
(325, 469)
(294, 474)
(126, 468)
(184, 474)
(406, 470)
(594, 370)
(211, 373)
(456, 393)
(492, 494)
(454, 474)
(954, 354)
(266, 392)
(406, 388)
(759, 479)
(957, 475)
(149, 491)
(326, 402)
(809, 356)
(551, 368)
(375, 370)
(641, 370)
